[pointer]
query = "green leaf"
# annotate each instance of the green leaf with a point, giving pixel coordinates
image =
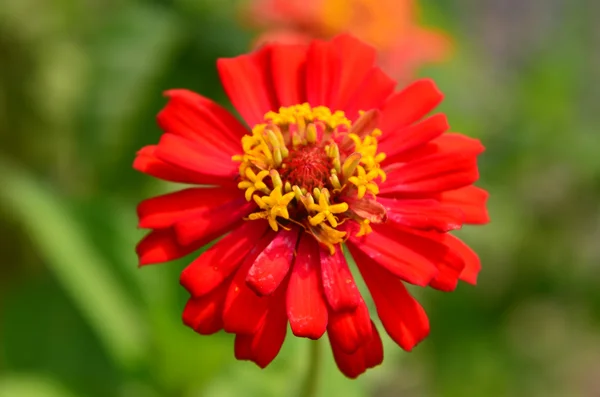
(76, 263)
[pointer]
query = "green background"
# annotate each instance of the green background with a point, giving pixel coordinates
(80, 84)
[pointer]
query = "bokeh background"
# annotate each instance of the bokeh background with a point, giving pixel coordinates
(80, 84)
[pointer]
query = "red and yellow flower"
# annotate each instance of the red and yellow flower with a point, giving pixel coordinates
(334, 161)
(390, 26)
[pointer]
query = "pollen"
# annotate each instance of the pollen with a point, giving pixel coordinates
(311, 166)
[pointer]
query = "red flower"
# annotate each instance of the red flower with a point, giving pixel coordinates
(313, 171)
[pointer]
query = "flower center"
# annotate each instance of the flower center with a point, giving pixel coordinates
(308, 167)
(314, 168)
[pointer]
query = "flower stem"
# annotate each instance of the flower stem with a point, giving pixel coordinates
(311, 381)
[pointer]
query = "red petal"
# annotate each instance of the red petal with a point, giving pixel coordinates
(207, 225)
(247, 82)
(373, 351)
(447, 163)
(211, 268)
(273, 263)
(244, 311)
(350, 329)
(147, 162)
(288, 63)
(359, 59)
(164, 211)
(264, 345)
(413, 136)
(368, 356)
(396, 255)
(455, 142)
(322, 73)
(372, 93)
(215, 166)
(409, 105)
(432, 245)
(199, 119)
(469, 257)
(471, 201)
(306, 307)
(432, 176)
(243, 346)
(423, 214)
(161, 246)
(401, 315)
(205, 314)
(450, 264)
(338, 284)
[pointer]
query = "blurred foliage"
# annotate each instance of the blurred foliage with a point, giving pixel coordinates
(80, 83)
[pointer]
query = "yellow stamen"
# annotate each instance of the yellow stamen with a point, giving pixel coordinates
(311, 133)
(254, 183)
(333, 151)
(274, 205)
(350, 165)
(364, 182)
(328, 236)
(368, 149)
(325, 210)
(365, 228)
(297, 193)
(275, 178)
(316, 193)
(300, 113)
(335, 181)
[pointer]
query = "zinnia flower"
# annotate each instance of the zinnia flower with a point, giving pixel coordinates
(391, 26)
(333, 161)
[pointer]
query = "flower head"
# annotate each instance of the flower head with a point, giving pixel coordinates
(389, 25)
(333, 161)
